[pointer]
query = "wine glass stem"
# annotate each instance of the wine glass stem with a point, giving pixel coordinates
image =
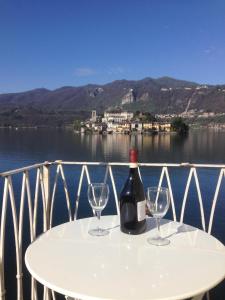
(98, 214)
(158, 226)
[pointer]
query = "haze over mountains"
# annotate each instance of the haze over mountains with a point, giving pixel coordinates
(61, 106)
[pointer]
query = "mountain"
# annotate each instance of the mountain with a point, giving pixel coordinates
(163, 95)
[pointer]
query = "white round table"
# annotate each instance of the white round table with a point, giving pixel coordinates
(118, 266)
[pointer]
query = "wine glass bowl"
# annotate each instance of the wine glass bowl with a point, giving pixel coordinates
(98, 195)
(158, 202)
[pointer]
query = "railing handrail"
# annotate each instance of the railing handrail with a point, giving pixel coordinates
(24, 169)
(56, 162)
(183, 164)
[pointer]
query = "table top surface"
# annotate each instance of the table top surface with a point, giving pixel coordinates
(120, 267)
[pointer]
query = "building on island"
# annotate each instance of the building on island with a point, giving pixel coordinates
(157, 126)
(122, 122)
(117, 117)
(93, 116)
(136, 126)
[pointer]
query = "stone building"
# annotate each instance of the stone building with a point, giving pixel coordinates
(117, 117)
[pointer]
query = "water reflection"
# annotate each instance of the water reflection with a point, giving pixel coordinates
(116, 147)
(22, 147)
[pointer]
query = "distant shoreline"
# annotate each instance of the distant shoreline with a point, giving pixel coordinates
(37, 127)
(217, 127)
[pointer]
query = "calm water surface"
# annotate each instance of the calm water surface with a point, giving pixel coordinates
(19, 148)
(24, 147)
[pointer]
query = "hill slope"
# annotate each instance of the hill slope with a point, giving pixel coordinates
(61, 106)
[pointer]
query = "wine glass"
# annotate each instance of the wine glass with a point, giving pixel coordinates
(98, 195)
(158, 202)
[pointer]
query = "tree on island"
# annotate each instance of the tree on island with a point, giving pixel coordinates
(77, 125)
(145, 116)
(179, 126)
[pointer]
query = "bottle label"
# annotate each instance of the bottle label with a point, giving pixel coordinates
(141, 210)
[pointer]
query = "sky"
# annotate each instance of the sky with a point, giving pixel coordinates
(55, 43)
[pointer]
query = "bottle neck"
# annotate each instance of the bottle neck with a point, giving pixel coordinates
(133, 165)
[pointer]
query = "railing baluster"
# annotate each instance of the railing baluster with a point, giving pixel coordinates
(165, 172)
(66, 193)
(20, 229)
(44, 202)
(47, 198)
(87, 174)
(89, 182)
(185, 195)
(47, 294)
(30, 206)
(221, 175)
(161, 178)
(2, 239)
(53, 295)
(171, 194)
(114, 190)
(106, 174)
(21, 209)
(32, 233)
(18, 250)
(34, 226)
(193, 172)
(60, 170)
(78, 193)
(200, 199)
(36, 195)
(53, 195)
(139, 172)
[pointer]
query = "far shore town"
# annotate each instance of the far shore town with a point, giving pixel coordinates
(123, 122)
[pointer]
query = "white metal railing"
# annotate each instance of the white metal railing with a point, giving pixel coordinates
(44, 193)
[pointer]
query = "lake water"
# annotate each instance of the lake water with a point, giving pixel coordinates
(24, 147)
(19, 148)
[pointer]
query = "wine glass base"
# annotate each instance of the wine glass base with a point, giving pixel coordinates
(98, 232)
(158, 241)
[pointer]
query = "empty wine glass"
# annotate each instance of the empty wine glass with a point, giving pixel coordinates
(98, 194)
(158, 202)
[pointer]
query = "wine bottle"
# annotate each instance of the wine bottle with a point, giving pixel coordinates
(132, 200)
